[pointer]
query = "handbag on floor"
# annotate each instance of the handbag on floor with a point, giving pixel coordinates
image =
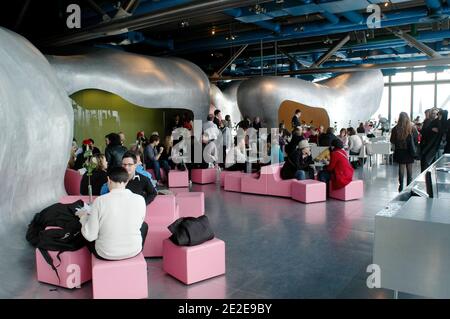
(190, 231)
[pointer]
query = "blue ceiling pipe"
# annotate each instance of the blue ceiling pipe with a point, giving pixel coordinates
(354, 17)
(236, 13)
(433, 4)
(308, 30)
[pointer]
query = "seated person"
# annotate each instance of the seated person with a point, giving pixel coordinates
(314, 137)
(98, 177)
(152, 157)
(140, 169)
(338, 170)
(88, 144)
(325, 139)
(115, 225)
(354, 142)
(298, 163)
(235, 159)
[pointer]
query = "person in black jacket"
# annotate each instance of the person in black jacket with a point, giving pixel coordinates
(298, 163)
(327, 138)
(296, 119)
(297, 137)
(431, 139)
(137, 183)
(98, 178)
(114, 150)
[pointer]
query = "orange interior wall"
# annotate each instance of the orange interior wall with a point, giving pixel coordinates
(315, 116)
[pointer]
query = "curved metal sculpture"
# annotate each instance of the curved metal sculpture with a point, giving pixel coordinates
(226, 101)
(149, 82)
(37, 121)
(347, 97)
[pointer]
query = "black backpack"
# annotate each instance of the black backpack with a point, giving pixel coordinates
(190, 231)
(66, 237)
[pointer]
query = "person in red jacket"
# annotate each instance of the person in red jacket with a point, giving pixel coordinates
(339, 171)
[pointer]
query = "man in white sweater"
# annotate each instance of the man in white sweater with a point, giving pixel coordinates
(115, 225)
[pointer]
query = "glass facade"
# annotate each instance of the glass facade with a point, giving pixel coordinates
(414, 92)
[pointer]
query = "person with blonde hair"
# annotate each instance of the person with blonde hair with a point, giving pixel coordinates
(98, 178)
(404, 148)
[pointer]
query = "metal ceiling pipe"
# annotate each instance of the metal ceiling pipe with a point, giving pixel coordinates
(415, 43)
(231, 60)
(330, 52)
(365, 67)
(194, 9)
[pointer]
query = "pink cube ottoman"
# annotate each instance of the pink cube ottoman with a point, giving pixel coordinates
(153, 246)
(191, 204)
(309, 191)
(178, 178)
(121, 279)
(73, 270)
(354, 190)
(194, 263)
(162, 210)
(203, 175)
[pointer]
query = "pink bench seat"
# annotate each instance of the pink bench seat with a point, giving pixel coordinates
(276, 186)
(309, 191)
(203, 175)
(178, 178)
(70, 199)
(73, 270)
(194, 263)
(354, 190)
(191, 204)
(121, 279)
(72, 181)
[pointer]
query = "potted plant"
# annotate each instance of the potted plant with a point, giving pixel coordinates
(90, 166)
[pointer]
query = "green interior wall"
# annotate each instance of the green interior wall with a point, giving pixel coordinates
(98, 113)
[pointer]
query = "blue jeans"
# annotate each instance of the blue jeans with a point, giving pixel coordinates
(156, 165)
(300, 175)
(324, 176)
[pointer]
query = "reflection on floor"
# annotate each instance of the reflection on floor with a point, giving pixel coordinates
(276, 248)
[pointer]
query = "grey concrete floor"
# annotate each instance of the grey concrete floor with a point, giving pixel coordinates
(275, 248)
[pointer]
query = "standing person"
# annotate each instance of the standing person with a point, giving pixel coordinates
(256, 123)
(427, 119)
(227, 122)
(431, 140)
(404, 148)
(114, 151)
(298, 163)
(338, 170)
(296, 119)
(122, 138)
(210, 128)
(361, 128)
(115, 226)
(218, 119)
(384, 123)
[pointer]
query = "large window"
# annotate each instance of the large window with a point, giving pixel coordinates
(401, 77)
(384, 105)
(400, 101)
(423, 99)
(443, 96)
(429, 90)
